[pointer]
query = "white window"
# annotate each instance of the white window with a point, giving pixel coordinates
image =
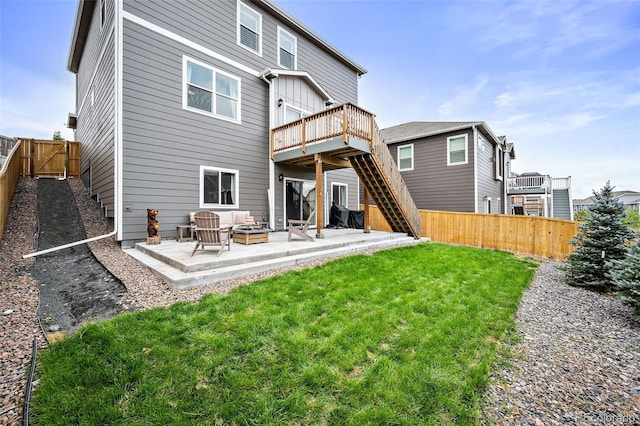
(103, 12)
(487, 204)
(249, 28)
(405, 157)
(339, 194)
(210, 91)
(293, 114)
(457, 152)
(499, 159)
(218, 187)
(287, 50)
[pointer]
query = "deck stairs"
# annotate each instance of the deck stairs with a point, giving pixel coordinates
(561, 204)
(352, 138)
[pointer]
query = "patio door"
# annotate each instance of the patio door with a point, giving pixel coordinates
(300, 199)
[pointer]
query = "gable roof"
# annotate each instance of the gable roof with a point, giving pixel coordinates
(85, 11)
(300, 74)
(421, 129)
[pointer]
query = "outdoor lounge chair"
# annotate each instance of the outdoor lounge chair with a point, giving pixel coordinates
(209, 233)
(300, 227)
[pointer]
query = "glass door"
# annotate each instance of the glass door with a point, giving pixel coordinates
(300, 199)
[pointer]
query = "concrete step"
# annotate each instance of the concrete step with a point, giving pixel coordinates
(248, 265)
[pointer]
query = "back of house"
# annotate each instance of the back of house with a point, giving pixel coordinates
(175, 101)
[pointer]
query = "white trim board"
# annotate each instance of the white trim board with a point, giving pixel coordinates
(195, 46)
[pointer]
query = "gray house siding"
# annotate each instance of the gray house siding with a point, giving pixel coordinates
(165, 145)
(434, 185)
(488, 186)
(95, 106)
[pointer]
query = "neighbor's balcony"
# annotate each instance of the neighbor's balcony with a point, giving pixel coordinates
(341, 131)
(529, 184)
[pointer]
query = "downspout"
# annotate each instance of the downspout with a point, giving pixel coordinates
(76, 243)
(271, 189)
(117, 143)
(475, 169)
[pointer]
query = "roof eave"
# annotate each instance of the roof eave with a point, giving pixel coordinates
(81, 27)
(303, 28)
(301, 74)
(433, 133)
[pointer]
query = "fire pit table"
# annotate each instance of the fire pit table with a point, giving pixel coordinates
(251, 234)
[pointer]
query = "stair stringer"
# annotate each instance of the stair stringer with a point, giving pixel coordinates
(379, 173)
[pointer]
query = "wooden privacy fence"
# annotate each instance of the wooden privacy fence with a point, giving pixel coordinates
(47, 158)
(35, 158)
(534, 235)
(9, 174)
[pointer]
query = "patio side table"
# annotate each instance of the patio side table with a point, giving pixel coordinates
(180, 233)
(251, 236)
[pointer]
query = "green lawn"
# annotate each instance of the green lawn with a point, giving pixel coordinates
(404, 336)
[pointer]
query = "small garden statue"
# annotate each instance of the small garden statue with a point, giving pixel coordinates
(152, 227)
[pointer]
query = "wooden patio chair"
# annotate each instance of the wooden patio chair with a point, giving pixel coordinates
(300, 227)
(209, 233)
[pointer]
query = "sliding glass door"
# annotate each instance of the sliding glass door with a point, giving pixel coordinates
(300, 199)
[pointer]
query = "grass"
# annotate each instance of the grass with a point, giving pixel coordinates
(404, 336)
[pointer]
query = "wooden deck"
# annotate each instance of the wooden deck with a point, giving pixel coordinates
(348, 136)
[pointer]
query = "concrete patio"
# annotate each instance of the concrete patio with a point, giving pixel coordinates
(173, 262)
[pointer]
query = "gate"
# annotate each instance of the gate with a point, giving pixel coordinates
(49, 158)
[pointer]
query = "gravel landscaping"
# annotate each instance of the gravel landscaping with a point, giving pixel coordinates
(576, 361)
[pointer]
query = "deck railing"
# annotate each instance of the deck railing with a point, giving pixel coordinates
(344, 120)
(528, 182)
(561, 183)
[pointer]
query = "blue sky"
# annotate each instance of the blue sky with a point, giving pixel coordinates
(561, 79)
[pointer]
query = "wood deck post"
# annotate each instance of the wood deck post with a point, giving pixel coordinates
(319, 197)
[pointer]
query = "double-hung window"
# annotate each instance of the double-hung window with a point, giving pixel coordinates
(405, 157)
(457, 152)
(249, 28)
(211, 91)
(293, 114)
(287, 49)
(218, 187)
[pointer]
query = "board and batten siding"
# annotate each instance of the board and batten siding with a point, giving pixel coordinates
(295, 92)
(434, 185)
(95, 108)
(164, 145)
(488, 186)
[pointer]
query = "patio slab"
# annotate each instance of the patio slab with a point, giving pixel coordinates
(172, 260)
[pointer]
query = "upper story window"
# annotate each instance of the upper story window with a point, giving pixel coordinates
(293, 114)
(249, 28)
(210, 91)
(499, 161)
(103, 13)
(405, 157)
(287, 49)
(218, 187)
(457, 152)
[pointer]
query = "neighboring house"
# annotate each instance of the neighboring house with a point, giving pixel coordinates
(452, 166)
(630, 199)
(175, 101)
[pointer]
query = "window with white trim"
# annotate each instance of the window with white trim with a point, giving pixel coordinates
(499, 159)
(292, 114)
(249, 28)
(405, 157)
(210, 91)
(457, 152)
(287, 49)
(487, 204)
(218, 187)
(103, 12)
(339, 194)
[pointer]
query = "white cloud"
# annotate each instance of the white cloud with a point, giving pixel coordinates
(465, 98)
